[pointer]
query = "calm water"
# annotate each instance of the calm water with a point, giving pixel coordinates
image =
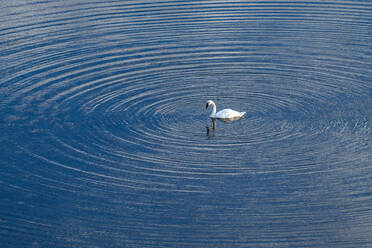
(105, 140)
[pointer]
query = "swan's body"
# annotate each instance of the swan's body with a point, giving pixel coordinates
(225, 113)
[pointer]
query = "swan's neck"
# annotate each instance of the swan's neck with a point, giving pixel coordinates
(213, 110)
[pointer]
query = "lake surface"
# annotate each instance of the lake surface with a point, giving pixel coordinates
(105, 140)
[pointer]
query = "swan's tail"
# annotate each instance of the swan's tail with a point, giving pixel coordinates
(242, 114)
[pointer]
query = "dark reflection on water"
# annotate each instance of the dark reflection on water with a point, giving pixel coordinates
(106, 142)
(211, 128)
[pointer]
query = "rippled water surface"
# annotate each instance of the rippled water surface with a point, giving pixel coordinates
(105, 140)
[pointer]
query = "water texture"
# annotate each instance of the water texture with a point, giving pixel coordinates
(105, 140)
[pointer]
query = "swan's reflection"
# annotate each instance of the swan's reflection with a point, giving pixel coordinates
(212, 128)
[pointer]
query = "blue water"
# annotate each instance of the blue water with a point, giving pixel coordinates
(105, 140)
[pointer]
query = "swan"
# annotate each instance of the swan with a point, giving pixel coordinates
(225, 113)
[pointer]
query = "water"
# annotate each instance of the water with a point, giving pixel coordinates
(105, 140)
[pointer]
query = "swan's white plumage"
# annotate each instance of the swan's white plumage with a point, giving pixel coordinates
(225, 113)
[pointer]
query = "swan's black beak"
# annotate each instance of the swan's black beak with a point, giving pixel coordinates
(206, 106)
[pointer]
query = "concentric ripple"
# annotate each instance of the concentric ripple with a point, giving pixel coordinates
(102, 105)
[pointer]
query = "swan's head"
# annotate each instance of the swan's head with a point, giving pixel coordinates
(209, 102)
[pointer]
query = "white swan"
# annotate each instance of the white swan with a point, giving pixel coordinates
(225, 113)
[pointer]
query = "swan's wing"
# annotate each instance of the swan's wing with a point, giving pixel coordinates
(228, 113)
